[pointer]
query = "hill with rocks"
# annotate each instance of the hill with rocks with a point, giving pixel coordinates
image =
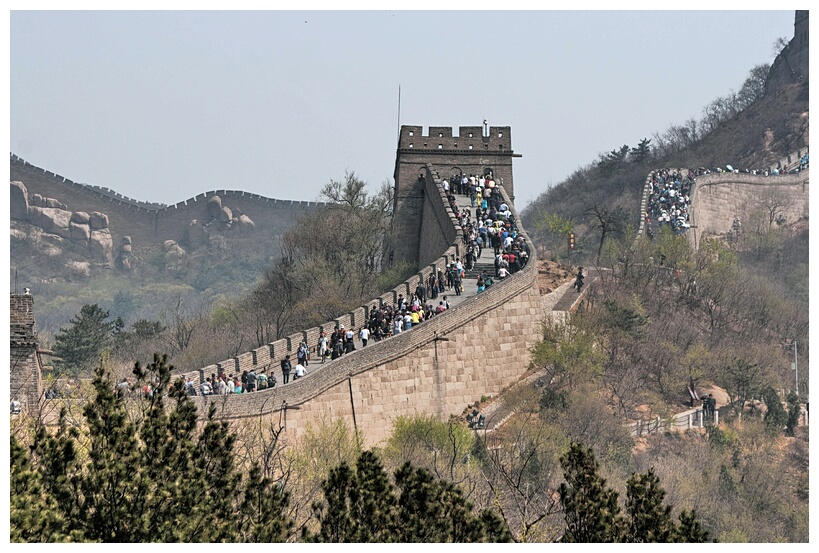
(73, 243)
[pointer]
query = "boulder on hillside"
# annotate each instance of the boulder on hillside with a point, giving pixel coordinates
(80, 217)
(53, 203)
(167, 245)
(175, 259)
(245, 224)
(98, 220)
(214, 207)
(127, 248)
(101, 246)
(19, 201)
(37, 200)
(51, 220)
(225, 215)
(79, 232)
(126, 240)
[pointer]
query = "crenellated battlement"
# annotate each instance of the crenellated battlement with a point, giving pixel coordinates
(468, 139)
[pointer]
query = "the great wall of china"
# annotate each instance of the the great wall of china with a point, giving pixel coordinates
(487, 345)
(477, 348)
(718, 198)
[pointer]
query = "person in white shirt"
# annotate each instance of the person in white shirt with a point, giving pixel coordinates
(364, 334)
(300, 371)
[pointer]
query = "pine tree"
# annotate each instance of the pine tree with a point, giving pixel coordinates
(361, 506)
(589, 508)
(79, 346)
(33, 514)
(689, 529)
(649, 520)
(641, 152)
(793, 413)
(776, 417)
(146, 474)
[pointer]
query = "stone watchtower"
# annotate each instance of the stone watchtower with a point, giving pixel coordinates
(26, 367)
(475, 151)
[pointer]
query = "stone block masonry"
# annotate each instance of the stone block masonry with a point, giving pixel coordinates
(717, 198)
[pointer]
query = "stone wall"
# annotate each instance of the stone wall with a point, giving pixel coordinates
(487, 345)
(718, 198)
(25, 381)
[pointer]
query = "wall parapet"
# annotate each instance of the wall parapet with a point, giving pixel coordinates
(150, 207)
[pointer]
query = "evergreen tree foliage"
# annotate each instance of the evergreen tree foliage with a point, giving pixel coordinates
(79, 346)
(776, 417)
(589, 508)
(33, 514)
(650, 520)
(362, 505)
(689, 529)
(592, 512)
(794, 411)
(142, 472)
(641, 152)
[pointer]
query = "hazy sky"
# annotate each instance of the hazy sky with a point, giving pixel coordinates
(164, 105)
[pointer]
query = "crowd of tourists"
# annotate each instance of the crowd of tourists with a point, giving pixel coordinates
(669, 200)
(491, 225)
(224, 384)
(487, 224)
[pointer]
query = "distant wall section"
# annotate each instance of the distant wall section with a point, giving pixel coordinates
(147, 225)
(718, 198)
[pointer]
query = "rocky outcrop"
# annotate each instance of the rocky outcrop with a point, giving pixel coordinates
(98, 220)
(101, 245)
(175, 257)
(125, 259)
(245, 224)
(51, 219)
(79, 232)
(80, 217)
(19, 201)
(214, 207)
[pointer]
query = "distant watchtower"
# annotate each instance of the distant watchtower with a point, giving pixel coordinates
(475, 151)
(26, 367)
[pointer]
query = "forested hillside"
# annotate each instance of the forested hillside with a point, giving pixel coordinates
(752, 129)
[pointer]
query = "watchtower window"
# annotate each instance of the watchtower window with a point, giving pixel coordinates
(440, 146)
(440, 135)
(425, 144)
(470, 146)
(412, 133)
(410, 145)
(470, 135)
(500, 135)
(454, 145)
